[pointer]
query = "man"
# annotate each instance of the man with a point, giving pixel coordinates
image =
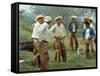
(88, 35)
(59, 34)
(90, 20)
(43, 38)
(73, 26)
(35, 37)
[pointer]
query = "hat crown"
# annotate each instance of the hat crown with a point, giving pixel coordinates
(73, 16)
(39, 16)
(58, 17)
(47, 18)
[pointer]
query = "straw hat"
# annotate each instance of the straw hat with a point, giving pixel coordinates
(75, 17)
(90, 18)
(58, 17)
(39, 16)
(47, 18)
(86, 17)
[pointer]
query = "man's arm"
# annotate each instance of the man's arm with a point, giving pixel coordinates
(64, 30)
(92, 33)
(42, 28)
(52, 29)
(83, 34)
(69, 29)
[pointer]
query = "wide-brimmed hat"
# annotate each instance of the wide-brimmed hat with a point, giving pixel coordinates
(58, 17)
(75, 17)
(86, 17)
(90, 18)
(39, 16)
(47, 18)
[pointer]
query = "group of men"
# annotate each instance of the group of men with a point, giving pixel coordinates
(41, 34)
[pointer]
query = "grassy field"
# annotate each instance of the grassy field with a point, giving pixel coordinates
(73, 60)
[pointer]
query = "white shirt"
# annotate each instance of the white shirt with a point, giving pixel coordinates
(73, 27)
(58, 30)
(84, 26)
(43, 32)
(91, 25)
(35, 30)
(87, 34)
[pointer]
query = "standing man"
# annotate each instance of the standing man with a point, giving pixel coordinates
(88, 36)
(43, 38)
(90, 20)
(35, 37)
(73, 26)
(59, 34)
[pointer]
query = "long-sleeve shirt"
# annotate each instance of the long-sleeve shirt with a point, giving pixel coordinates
(88, 33)
(73, 27)
(43, 32)
(35, 30)
(58, 30)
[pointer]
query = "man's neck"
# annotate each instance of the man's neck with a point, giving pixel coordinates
(58, 24)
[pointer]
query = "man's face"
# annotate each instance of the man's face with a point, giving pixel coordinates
(41, 20)
(73, 20)
(59, 21)
(87, 25)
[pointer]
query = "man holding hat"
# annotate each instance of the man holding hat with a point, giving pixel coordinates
(73, 26)
(35, 37)
(43, 38)
(59, 33)
(88, 35)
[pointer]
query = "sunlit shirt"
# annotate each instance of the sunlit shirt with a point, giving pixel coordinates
(58, 30)
(43, 32)
(87, 34)
(73, 27)
(35, 30)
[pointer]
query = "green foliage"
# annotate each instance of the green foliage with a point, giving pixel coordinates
(25, 29)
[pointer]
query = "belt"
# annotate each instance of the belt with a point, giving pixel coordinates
(35, 38)
(45, 41)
